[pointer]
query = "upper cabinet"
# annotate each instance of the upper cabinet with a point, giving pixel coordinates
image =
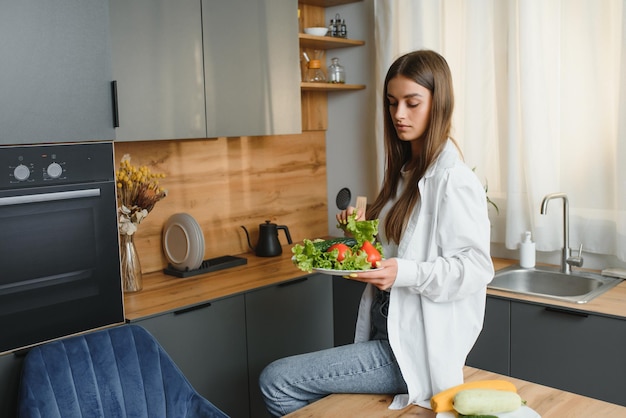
(55, 72)
(251, 70)
(158, 67)
(205, 69)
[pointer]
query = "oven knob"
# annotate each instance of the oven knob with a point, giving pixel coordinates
(55, 170)
(21, 172)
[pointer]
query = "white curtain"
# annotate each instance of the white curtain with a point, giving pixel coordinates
(540, 95)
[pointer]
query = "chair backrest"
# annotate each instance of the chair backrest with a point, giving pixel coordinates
(116, 372)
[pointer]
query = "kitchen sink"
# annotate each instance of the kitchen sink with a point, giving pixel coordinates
(577, 287)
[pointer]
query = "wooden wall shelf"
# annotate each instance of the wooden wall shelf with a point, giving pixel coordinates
(330, 87)
(314, 96)
(327, 3)
(326, 42)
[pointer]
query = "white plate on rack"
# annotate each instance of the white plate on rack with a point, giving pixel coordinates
(183, 242)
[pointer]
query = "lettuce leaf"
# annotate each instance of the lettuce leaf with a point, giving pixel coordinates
(361, 230)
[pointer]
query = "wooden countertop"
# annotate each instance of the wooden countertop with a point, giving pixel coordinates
(163, 293)
(546, 401)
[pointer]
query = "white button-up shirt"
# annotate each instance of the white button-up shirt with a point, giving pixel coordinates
(437, 301)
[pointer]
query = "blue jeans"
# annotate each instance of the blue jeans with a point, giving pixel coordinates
(294, 382)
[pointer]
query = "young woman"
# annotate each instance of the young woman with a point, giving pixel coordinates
(422, 311)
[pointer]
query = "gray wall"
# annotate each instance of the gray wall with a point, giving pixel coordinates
(350, 140)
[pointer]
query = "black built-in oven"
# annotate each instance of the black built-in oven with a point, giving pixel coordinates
(59, 252)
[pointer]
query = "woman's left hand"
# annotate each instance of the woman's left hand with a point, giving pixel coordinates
(383, 278)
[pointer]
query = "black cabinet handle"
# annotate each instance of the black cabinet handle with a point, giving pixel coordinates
(567, 311)
(192, 308)
(293, 282)
(116, 114)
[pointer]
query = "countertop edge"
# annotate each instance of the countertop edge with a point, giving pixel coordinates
(163, 293)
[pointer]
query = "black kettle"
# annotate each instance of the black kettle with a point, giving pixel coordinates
(268, 245)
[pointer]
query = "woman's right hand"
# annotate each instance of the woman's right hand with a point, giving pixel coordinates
(342, 217)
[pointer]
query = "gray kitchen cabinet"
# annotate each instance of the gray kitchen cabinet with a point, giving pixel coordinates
(492, 349)
(283, 320)
(205, 69)
(208, 343)
(158, 67)
(346, 299)
(570, 350)
(56, 71)
(251, 67)
(10, 370)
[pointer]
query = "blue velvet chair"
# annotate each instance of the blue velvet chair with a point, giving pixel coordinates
(117, 372)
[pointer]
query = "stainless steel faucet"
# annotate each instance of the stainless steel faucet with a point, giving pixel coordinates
(566, 260)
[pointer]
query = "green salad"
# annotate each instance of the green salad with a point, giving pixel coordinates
(348, 253)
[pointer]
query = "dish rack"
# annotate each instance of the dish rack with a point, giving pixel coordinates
(207, 266)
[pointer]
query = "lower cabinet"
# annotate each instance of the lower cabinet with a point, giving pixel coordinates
(569, 350)
(222, 346)
(564, 348)
(346, 298)
(208, 343)
(492, 349)
(290, 318)
(10, 370)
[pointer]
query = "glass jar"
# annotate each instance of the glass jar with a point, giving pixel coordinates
(336, 72)
(316, 74)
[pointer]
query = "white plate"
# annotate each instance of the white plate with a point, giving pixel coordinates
(522, 412)
(333, 272)
(183, 242)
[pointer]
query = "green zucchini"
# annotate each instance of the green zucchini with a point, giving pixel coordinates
(323, 246)
(486, 401)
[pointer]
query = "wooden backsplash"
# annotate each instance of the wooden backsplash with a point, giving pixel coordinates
(227, 182)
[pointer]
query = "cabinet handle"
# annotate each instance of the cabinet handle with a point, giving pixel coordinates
(116, 114)
(566, 311)
(293, 282)
(192, 308)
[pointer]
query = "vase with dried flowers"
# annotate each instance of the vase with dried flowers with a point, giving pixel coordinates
(138, 191)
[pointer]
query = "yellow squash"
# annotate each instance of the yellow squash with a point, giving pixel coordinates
(442, 401)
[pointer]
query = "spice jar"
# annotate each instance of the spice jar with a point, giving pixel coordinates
(334, 29)
(343, 29)
(336, 72)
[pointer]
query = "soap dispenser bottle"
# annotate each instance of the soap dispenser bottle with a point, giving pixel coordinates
(527, 251)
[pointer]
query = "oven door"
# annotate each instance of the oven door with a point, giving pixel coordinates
(59, 261)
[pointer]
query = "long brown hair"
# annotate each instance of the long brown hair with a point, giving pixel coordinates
(430, 70)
